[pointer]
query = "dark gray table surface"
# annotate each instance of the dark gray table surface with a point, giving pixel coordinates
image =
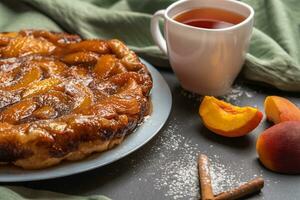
(165, 168)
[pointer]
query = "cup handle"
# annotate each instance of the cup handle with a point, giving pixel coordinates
(156, 33)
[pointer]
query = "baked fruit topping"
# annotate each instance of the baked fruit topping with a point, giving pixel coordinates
(63, 98)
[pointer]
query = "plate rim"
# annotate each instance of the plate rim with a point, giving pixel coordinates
(36, 175)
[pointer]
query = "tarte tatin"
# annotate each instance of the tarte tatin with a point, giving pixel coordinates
(63, 98)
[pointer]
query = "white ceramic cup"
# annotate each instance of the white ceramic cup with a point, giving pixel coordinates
(206, 61)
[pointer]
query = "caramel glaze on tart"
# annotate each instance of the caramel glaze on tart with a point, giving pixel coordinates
(63, 98)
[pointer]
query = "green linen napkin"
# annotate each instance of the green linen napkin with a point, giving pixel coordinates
(274, 54)
(21, 193)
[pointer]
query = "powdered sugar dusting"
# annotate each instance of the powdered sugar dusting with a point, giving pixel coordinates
(237, 92)
(179, 178)
(176, 173)
(221, 176)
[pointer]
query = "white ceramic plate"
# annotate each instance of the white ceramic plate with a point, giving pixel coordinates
(161, 100)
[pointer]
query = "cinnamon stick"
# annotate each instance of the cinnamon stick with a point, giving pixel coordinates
(248, 188)
(204, 178)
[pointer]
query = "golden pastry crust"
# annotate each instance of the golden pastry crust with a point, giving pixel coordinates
(63, 98)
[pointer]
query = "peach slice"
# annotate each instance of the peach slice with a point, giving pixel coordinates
(5, 38)
(29, 77)
(10, 34)
(53, 37)
(119, 105)
(53, 103)
(97, 46)
(41, 87)
(80, 57)
(128, 89)
(26, 46)
(131, 62)
(84, 102)
(18, 111)
(45, 112)
(52, 68)
(279, 109)
(83, 95)
(228, 120)
(278, 147)
(118, 48)
(105, 65)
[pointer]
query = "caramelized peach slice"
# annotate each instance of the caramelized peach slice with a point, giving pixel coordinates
(102, 110)
(131, 62)
(80, 57)
(62, 103)
(54, 96)
(97, 46)
(6, 37)
(124, 106)
(122, 78)
(54, 37)
(105, 65)
(131, 88)
(83, 95)
(9, 34)
(113, 105)
(119, 68)
(18, 111)
(279, 109)
(228, 120)
(40, 87)
(27, 45)
(31, 76)
(85, 101)
(124, 102)
(45, 112)
(118, 48)
(52, 68)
